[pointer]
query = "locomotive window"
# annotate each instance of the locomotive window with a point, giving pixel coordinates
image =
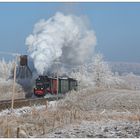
(40, 86)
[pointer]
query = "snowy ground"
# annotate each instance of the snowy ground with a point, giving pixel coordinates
(112, 113)
(100, 129)
(100, 113)
(25, 110)
(113, 99)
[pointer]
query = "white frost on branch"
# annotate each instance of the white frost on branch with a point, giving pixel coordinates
(97, 74)
(102, 74)
(6, 69)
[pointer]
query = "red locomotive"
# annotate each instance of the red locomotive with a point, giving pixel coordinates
(48, 85)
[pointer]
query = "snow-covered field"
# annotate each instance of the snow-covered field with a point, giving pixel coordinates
(99, 113)
(100, 129)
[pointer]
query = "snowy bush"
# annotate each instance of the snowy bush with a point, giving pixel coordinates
(6, 90)
(6, 69)
(6, 84)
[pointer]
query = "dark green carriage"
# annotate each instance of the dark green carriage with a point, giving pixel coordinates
(67, 84)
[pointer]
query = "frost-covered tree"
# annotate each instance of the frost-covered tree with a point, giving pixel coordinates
(96, 74)
(101, 73)
(6, 69)
(6, 84)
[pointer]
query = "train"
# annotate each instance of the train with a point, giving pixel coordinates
(48, 85)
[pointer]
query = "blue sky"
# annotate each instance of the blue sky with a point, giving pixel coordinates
(117, 26)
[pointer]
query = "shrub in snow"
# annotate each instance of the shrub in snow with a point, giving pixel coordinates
(6, 90)
(6, 69)
(6, 84)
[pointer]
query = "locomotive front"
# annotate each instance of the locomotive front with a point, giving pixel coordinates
(42, 83)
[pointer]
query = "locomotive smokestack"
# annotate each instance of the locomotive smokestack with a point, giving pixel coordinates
(23, 60)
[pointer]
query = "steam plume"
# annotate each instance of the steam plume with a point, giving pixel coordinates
(66, 37)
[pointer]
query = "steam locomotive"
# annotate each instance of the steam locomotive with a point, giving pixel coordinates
(48, 85)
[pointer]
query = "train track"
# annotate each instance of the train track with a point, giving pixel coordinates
(18, 103)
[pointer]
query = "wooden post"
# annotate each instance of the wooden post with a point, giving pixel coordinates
(54, 120)
(18, 129)
(13, 95)
(7, 128)
(43, 125)
(46, 104)
(7, 132)
(57, 80)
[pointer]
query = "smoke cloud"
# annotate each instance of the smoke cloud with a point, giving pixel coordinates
(63, 37)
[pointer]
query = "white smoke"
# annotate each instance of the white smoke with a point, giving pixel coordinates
(63, 37)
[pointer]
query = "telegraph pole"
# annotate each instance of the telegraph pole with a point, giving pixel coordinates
(13, 94)
(57, 79)
(57, 76)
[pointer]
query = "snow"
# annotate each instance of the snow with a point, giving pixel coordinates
(100, 129)
(27, 109)
(19, 111)
(103, 115)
